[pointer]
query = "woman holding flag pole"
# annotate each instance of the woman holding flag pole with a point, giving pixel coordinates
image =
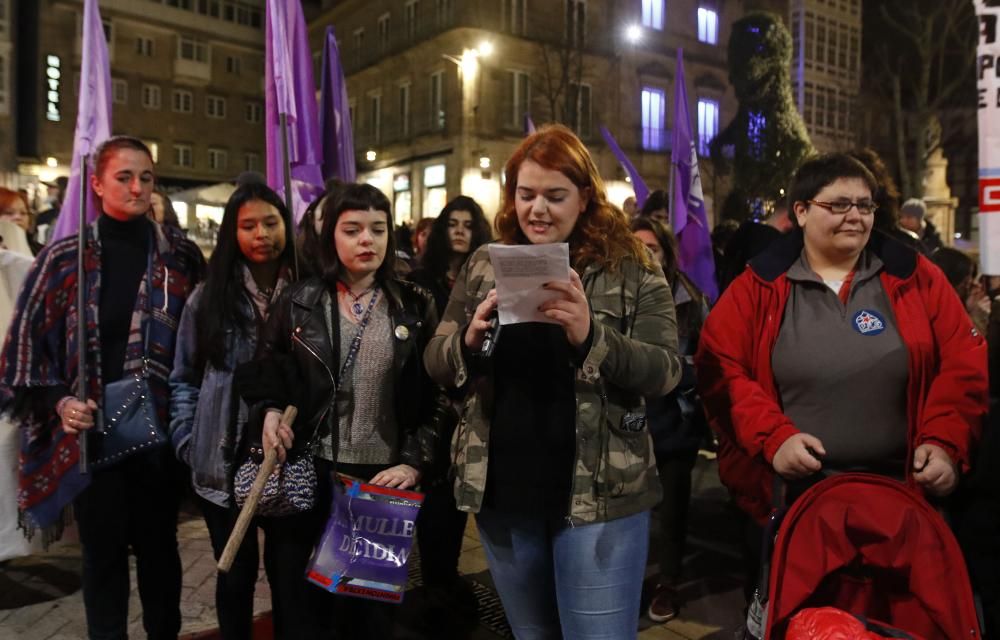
(138, 275)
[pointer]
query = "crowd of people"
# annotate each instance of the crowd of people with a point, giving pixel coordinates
(846, 339)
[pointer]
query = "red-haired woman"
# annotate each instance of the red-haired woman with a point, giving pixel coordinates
(552, 453)
(14, 207)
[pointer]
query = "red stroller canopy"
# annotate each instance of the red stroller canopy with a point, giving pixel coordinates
(874, 547)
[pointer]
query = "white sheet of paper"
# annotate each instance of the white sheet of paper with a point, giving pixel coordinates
(521, 270)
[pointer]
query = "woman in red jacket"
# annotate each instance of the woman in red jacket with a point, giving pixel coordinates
(839, 349)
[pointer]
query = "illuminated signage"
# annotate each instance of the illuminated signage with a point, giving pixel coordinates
(53, 74)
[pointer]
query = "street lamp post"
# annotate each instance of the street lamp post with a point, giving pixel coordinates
(469, 71)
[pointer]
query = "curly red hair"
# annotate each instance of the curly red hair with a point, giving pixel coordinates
(602, 235)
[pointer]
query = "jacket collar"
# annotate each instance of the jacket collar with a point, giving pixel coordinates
(900, 261)
(308, 295)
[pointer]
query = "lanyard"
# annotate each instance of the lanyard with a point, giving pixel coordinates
(356, 342)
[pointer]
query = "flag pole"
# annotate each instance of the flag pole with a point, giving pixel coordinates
(286, 166)
(81, 311)
(670, 189)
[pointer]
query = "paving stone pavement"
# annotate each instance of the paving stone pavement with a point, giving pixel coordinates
(712, 612)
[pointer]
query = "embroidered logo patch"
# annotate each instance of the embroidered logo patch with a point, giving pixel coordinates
(868, 323)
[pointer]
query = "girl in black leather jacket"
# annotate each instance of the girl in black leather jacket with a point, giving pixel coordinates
(348, 345)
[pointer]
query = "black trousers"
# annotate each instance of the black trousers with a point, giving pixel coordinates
(675, 476)
(131, 505)
(440, 527)
(233, 590)
(299, 608)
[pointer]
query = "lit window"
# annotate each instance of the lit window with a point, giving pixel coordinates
(652, 14)
(708, 123)
(708, 26)
(654, 115)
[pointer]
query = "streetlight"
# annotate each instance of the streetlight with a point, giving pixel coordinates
(468, 64)
(633, 33)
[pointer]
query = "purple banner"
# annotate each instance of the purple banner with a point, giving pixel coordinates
(335, 116)
(687, 209)
(638, 184)
(289, 90)
(529, 125)
(367, 543)
(93, 120)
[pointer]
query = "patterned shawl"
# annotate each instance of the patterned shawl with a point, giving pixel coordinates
(41, 351)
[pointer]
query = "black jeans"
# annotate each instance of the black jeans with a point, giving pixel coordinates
(131, 505)
(440, 528)
(233, 590)
(299, 608)
(675, 476)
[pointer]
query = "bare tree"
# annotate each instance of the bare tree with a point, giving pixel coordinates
(562, 68)
(919, 55)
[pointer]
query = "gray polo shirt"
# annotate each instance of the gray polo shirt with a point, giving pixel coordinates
(842, 370)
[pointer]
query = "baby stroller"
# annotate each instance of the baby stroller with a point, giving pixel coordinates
(873, 547)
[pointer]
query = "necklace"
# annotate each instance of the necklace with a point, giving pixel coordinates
(357, 309)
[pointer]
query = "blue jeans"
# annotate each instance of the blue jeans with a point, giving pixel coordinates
(567, 582)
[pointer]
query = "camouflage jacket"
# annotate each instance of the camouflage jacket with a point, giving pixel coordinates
(633, 354)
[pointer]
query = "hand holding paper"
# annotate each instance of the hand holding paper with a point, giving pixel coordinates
(571, 310)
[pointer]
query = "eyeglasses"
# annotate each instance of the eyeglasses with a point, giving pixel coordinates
(865, 207)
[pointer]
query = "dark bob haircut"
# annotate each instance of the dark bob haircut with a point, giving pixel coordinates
(816, 173)
(355, 197)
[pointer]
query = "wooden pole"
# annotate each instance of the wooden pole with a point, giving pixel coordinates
(250, 506)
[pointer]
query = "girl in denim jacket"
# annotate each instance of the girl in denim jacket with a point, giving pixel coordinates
(252, 261)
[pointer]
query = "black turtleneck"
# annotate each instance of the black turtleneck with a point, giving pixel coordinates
(124, 247)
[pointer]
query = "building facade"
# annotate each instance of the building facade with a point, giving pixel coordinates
(439, 89)
(826, 69)
(187, 79)
(826, 66)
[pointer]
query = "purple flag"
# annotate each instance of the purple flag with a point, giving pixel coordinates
(289, 90)
(529, 125)
(93, 120)
(638, 184)
(687, 207)
(335, 116)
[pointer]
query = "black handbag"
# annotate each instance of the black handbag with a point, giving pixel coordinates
(128, 422)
